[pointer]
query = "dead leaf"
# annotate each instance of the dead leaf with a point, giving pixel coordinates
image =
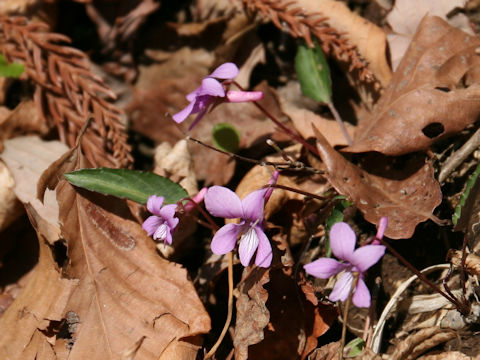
(405, 17)
(406, 202)
(434, 93)
(10, 207)
(330, 352)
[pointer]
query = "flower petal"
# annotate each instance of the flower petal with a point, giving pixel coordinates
(361, 298)
(247, 246)
(211, 87)
(341, 290)
(168, 238)
(342, 240)
(161, 232)
(235, 96)
(264, 250)
(223, 202)
(382, 226)
(154, 204)
(225, 239)
(324, 268)
(366, 256)
(183, 114)
(225, 71)
(168, 213)
(193, 95)
(252, 205)
(151, 224)
(198, 118)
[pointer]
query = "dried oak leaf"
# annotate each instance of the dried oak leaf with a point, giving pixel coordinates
(433, 93)
(406, 202)
(278, 317)
(125, 290)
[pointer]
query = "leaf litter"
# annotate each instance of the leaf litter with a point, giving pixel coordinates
(80, 278)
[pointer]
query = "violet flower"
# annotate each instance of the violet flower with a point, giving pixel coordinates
(342, 243)
(223, 202)
(163, 221)
(212, 91)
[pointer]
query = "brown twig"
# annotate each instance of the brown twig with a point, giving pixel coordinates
(67, 92)
(288, 16)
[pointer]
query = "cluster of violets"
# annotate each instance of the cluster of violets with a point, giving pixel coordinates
(248, 232)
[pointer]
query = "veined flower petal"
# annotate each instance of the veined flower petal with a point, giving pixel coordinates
(225, 71)
(247, 246)
(324, 268)
(264, 250)
(168, 212)
(341, 290)
(151, 224)
(361, 298)
(223, 202)
(161, 232)
(225, 239)
(342, 240)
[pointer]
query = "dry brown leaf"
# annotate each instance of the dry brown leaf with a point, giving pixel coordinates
(330, 352)
(405, 17)
(421, 341)
(434, 93)
(472, 261)
(10, 207)
(122, 289)
(406, 202)
(447, 355)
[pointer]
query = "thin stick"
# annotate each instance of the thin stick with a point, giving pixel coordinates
(340, 122)
(230, 308)
(345, 315)
(298, 191)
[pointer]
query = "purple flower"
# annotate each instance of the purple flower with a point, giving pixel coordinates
(163, 221)
(342, 243)
(213, 90)
(223, 202)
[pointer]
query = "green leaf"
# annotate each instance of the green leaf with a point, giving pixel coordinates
(127, 184)
(355, 347)
(461, 209)
(226, 137)
(13, 70)
(313, 73)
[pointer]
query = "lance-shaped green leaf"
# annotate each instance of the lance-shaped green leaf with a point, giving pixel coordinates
(226, 137)
(313, 73)
(468, 201)
(13, 70)
(127, 184)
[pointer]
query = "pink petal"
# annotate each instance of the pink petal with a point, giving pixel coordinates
(382, 226)
(168, 213)
(361, 298)
(342, 240)
(234, 96)
(223, 202)
(324, 268)
(151, 224)
(225, 239)
(161, 232)
(341, 290)
(193, 95)
(252, 205)
(366, 256)
(154, 204)
(211, 87)
(168, 238)
(225, 71)
(183, 114)
(264, 250)
(247, 246)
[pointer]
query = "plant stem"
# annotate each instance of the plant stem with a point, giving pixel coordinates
(230, 308)
(345, 315)
(340, 122)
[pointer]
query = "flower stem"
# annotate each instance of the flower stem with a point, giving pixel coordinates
(230, 308)
(290, 132)
(340, 122)
(345, 315)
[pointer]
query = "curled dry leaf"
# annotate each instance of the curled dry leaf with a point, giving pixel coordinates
(10, 208)
(421, 341)
(405, 202)
(447, 355)
(434, 93)
(330, 352)
(124, 289)
(472, 261)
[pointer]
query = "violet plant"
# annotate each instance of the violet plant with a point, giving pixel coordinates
(223, 202)
(213, 92)
(353, 263)
(163, 221)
